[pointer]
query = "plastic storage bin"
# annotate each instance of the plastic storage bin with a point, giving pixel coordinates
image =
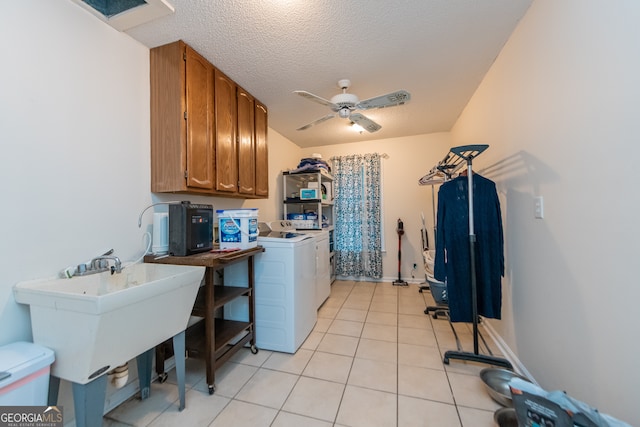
(238, 228)
(24, 374)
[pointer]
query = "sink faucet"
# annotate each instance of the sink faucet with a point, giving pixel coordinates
(100, 264)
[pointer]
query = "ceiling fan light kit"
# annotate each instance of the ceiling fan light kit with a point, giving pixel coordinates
(344, 112)
(346, 103)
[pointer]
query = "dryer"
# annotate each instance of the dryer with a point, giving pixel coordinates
(285, 289)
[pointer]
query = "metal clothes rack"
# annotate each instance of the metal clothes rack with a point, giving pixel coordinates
(454, 160)
(439, 174)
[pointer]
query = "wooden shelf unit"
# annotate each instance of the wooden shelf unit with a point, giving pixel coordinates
(215, 339)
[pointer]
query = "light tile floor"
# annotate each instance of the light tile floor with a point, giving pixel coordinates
(374, 359)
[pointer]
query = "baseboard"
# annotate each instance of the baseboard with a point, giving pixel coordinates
(506, 351)
(411, 280)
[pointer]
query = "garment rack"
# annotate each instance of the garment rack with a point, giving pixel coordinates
(454, 160)
(439, 174)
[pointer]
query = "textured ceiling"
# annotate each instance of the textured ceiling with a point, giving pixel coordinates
(437, 50)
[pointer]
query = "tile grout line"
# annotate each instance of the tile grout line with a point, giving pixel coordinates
(446, 372)
(299, 376)
(335, 417)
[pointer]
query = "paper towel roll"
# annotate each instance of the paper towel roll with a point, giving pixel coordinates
(160, 233)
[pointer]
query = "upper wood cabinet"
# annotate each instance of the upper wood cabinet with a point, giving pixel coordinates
(199, 118)
(208, 135)
(262, 154)
(246, 142)
(226, 113)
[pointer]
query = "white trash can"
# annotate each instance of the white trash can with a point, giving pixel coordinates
(24, 374)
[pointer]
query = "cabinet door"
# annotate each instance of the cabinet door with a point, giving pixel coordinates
(168, 125)
(262, 155)
(225, 124)
(246, 147)
(199, 116)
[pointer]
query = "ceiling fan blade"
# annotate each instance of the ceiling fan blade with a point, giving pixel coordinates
(382, 101)
(315, 98)
(320, 120)
(365, 122)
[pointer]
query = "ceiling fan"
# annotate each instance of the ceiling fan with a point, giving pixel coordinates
(345, 104)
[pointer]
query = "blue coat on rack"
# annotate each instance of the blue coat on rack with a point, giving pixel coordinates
(452, 260)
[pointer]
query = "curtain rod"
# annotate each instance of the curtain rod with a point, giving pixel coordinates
(383, 155)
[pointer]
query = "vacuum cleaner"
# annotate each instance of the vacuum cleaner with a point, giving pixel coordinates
(400, 231)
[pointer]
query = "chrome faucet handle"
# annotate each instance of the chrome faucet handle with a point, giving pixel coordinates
(101, 263)
(98, 262)
(117, 268)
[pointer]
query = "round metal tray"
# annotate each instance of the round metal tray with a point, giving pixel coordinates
(496, 382)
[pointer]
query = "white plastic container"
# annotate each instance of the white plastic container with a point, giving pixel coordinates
(24, 374)
(160, 237)
(238, 228)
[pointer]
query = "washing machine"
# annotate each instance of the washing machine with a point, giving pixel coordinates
(285, 288)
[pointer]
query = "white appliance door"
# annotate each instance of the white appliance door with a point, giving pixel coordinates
(306, 311)
(323, 269)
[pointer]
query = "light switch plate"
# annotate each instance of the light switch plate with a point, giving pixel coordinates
(538, 207)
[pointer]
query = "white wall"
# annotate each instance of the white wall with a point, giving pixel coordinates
(560, 111)
(283, 155)
(74, 120)
(74, 126)
(409, 159)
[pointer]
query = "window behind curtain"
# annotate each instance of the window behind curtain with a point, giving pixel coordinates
(358, 217)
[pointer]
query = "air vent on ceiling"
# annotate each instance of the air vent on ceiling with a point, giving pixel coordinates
(125, 14)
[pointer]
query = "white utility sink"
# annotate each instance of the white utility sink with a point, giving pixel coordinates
(96, 322)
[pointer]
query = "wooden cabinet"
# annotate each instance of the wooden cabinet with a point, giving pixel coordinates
(246, 143)
(225, 143)
(262, 154)
(199, 120)
(208, 135)
(182, 94)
